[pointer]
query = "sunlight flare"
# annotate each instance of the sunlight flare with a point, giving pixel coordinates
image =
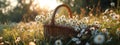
(50, 4)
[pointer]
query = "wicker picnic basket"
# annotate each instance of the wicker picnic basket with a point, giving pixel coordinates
(52, 30)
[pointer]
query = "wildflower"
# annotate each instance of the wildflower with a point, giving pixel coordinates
(78, 42)
(83, 26)
(107, 20)
(112, 14)
(86, 32)
(86, 19)
(77, 28)
(18, 39)
(111, 11)
(58, 42)
(39, 18)
(112, 4)
(75, 39)
(99, 39)
(32, 43)
(92, 28)
(87, 43)
(1, 38)
(79, 35)
(115, 17)
(2, 43)
(104, 30)
(96, 23)
(104, 17)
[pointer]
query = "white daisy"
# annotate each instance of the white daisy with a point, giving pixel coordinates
(116, 17)
(99, 39)
(87, 43)
(107, 20)
(92, 28)
(112, 4)
(1, 38)
(97, 23)
(112, 14)
(2, 43)
(86, 32)
(104, 30)
(18, 39)
(77, 28)
(104, 17)
(79, 35)
(32, 43)
(58, 42)
(83, 26)
(78, 42)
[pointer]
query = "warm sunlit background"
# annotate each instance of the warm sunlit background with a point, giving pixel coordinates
(46, 4)
(51, 4)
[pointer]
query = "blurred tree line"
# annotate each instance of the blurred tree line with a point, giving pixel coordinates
(89, 6)
(21, 12)
(24, 12)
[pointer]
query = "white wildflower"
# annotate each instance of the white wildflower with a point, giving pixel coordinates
(107, 20)
(58, 42)
(40, 18)
(86, 32)
(77, 28)
(104, 30)
(87, 43)
(96, 23)
(99, 39)
(116, 17)
(1, 38)
(79, 35)
(2, 43)
(78, 42)
(83, 26)
(92, 28)
(112, 4)
(104, 17)
(112, 14)
(32, 43)
(17, 39)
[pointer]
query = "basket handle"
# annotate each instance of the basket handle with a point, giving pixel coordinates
(62, 5)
